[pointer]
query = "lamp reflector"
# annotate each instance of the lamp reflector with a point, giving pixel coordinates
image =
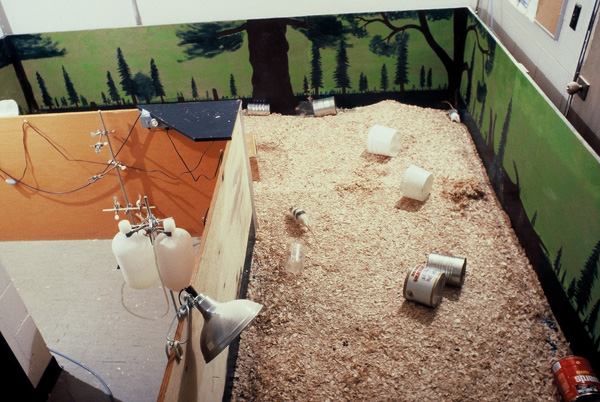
(223, 322)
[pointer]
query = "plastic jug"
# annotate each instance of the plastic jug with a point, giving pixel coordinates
(175, 255)
(135, 257)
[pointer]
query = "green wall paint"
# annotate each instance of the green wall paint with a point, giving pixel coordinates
(559, 178)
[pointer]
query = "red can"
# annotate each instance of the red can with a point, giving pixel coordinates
(576, 380)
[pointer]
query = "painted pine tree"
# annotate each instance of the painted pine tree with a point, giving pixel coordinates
(46, 98)
(496, 170)
(194, 88)
(585, 283)
(71, 92)
(232, 87)
(401, 77)
(113, 92)
(127, 82)
(340, 76)
(363, 82)
(157, 86)
(316, 71)
(557, 266)
(384, 82)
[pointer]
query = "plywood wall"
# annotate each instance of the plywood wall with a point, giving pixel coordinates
(53, 159)
(219, 269)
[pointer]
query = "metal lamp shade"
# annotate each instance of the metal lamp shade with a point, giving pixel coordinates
(223, 322)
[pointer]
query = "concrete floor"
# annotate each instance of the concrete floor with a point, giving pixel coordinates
(72, 289)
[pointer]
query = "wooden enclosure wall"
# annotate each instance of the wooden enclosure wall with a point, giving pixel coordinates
(220, 263)
(54, 153)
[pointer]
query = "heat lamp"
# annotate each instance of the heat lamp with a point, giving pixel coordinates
(223, 322)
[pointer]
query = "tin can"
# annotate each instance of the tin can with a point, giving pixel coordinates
(576, 380)
(454, 267)
(424, 285)
(325, 106)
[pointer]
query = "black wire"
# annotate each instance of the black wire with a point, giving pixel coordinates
(181, 174)
(190, 172)
(45, 137)
(56, 147)
(128, 135)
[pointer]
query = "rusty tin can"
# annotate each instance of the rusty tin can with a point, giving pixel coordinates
(576, 380)
(424, 285)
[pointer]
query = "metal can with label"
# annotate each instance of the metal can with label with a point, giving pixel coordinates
(424, 285)
(576, 380)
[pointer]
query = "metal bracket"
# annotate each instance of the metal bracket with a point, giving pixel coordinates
(585, 86)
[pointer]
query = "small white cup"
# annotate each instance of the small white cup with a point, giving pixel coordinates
(384, 141)
(416, 183)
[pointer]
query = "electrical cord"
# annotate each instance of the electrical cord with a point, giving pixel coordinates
(57, 147)
(107, 166)
(128, 135)
(108, 391)
(190, 172)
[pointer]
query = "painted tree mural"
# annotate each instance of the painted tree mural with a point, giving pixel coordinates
(267, 47)
(20, 48)
(144, 88)
(453, 63)
(398, 48)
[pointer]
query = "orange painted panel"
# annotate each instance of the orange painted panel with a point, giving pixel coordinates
(53, 159)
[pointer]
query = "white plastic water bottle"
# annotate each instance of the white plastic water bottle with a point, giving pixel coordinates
(135, 257)
(175, 255)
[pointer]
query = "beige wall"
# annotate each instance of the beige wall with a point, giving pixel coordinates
(552, 59)
(584, 113)
(21, 333)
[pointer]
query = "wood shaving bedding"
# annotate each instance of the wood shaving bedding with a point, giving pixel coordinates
(342, 331)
